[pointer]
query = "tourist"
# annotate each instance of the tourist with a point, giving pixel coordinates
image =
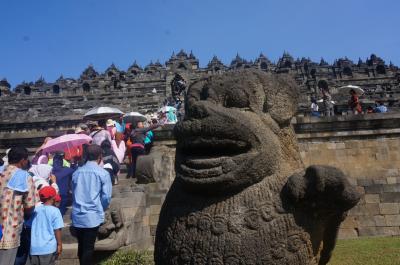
(110, 158)
(63, 177)
(66, 163)
(2, 166)
(18, 197)
(91, 193)
(99, 133)
(148, 141)
(120, 124)
(5, 158)
(314, 108)
(171, 116)
(110, 125)
(46, 243)
(82, 129)
(42, 176)
(354, 102)
(380, 108)
(328, 103)
(370, 110)
(138, 137)
(40, 157)
(119, 147)
(74, 154)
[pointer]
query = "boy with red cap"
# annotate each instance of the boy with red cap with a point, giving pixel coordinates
(47, 222)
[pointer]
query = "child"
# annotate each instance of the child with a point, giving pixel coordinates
(47, 222)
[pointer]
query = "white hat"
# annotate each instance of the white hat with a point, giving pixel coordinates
(110, 122)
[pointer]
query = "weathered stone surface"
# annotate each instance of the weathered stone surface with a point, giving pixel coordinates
(372, 198)
(368, 231)
(374, 188)
(238, 192)
(389, 231)
(347, 233)
(392, 220)
(380, 220)
(390, 197)
(389, 208)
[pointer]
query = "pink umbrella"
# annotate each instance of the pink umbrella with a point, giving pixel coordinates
(66, 142)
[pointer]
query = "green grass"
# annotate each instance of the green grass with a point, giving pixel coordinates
(366, 251)
(130, 257)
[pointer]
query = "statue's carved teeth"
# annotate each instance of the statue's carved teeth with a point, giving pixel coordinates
(202, 173)
(212, 147)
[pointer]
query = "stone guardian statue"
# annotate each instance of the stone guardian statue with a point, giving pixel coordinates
(242, 194)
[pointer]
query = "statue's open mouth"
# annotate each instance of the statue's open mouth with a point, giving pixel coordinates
(210, 157)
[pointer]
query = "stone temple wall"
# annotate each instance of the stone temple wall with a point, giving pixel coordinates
(369, 155)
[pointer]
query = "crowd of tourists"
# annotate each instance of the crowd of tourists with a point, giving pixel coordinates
(354, 105)
(35, 194)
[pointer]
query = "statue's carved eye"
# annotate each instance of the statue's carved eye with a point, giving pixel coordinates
(236, 99)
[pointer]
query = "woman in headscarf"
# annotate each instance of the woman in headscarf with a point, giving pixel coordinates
(119, 147)
(42, 176)
(64, 176)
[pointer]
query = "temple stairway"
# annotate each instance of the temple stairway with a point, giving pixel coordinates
(140, 204)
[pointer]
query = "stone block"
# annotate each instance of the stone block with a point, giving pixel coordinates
(369, 209)
(379, 181)
(129, 213)
(391, 180)
(390, 197)
(347, 233)
(146, 220)
(366, 221)
(391, 188)
(389, 208)
(361, 190)
(393, 172)
(154, 219)
(372, 198)
(392, 220)
(389, 231)
(380, 220)
(155, 209)
(155, 200)
(352, 145)
(364, 182)
(374, 188)
(367, 231)
(349, 222)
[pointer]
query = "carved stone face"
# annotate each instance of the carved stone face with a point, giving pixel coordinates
(231, 135)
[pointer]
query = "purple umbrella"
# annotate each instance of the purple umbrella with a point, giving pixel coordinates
(65, 142)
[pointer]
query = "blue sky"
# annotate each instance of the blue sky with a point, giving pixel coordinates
(54, 37)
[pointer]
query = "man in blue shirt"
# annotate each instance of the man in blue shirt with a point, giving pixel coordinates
(381, 108)
(91, 189)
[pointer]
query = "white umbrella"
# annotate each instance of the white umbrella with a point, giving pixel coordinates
(134, 117)
(348, 88)
(99, 113)
(167, 109)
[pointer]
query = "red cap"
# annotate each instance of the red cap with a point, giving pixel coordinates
(48, 192)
